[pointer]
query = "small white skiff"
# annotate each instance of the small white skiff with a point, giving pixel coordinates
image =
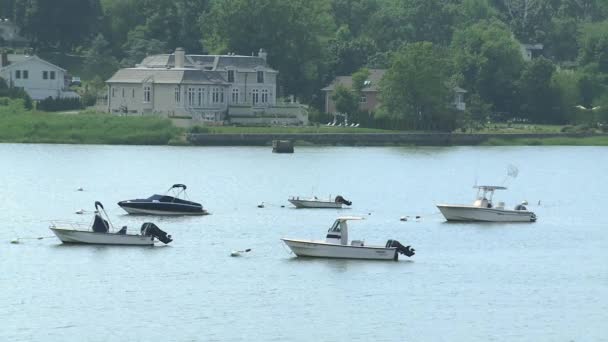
(484, 210)
(319, 203)
(101, 232)
(336, 245)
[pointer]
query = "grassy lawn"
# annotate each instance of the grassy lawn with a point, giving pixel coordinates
(279, 130)
(561, 141)
(503, 128)
(17, 125)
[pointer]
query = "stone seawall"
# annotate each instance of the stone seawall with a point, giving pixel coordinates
(365, 139)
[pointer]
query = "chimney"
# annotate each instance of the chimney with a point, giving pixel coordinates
(180, 57)
(262, 54)
(4, 61)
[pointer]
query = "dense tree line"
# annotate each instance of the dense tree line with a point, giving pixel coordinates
(427, 46)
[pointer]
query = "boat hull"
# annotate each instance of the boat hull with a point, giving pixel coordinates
(476, 214)
(310, 204)
(164, 209)
(304, 248)
(93, 238)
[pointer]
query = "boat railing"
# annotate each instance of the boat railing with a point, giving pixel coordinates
(73, 225)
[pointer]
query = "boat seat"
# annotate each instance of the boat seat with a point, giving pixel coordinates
(100, 225)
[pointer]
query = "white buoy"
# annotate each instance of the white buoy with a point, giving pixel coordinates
(80, 212)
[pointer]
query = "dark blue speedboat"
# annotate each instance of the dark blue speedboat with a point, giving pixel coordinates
(167, 204)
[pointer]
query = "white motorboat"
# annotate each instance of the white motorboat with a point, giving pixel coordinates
(483, 209)
(319, 203)
(101, 232)
(336, 245)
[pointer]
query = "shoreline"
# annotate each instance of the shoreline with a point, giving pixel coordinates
(347, 139)
(400, 139)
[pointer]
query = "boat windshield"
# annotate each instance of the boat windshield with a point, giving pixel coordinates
(335, 227)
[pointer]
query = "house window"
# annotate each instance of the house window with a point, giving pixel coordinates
(133, 93)
(113, 92)
(191, 97)
(222, 95)
(235, 95)
(45, 75)
(177, 95)
(26, 74)
(260, 77)
(215, 95)
(264, 95)
(255, 96)
(123, 93)
(17, 73)
(363, 99)
(201, 95)
(231, 76)
(147, 94)
(52, 75)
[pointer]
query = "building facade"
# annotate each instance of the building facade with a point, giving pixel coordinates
(370, 94)
(39, 78)
(206, 88)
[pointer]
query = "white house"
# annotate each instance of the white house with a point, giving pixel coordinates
(205, 88)
(39, 78)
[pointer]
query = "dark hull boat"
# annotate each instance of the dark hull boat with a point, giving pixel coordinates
(164, 204)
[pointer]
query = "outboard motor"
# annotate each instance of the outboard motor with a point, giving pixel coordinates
(150, 229)
(405, 250)
(340, 199)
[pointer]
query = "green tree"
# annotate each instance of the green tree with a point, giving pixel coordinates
(99, 58)
(414, 88)
(353, 14)
(60, 24)
(345, 100)
(138, 47)
(293, 32)
(359, 79)
(594, 45)
(536, 94)
(490, 61)
(566, 86)
(346, 54)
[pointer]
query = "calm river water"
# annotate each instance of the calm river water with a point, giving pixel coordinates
(545, 281)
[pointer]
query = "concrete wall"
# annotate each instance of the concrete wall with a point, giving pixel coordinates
(365, 139)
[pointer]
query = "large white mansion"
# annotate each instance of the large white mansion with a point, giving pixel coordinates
(204, 88)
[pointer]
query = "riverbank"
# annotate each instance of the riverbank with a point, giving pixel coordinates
(416, 139)
(17, 126)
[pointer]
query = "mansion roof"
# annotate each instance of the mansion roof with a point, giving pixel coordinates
(372, 84)
(167, 76)
(208, 62)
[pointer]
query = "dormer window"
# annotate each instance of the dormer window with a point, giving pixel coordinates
(260, 77)
(231, 76)
(367, 83)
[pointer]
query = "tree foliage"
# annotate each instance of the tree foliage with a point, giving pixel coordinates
(415, 87)
(293, 32)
